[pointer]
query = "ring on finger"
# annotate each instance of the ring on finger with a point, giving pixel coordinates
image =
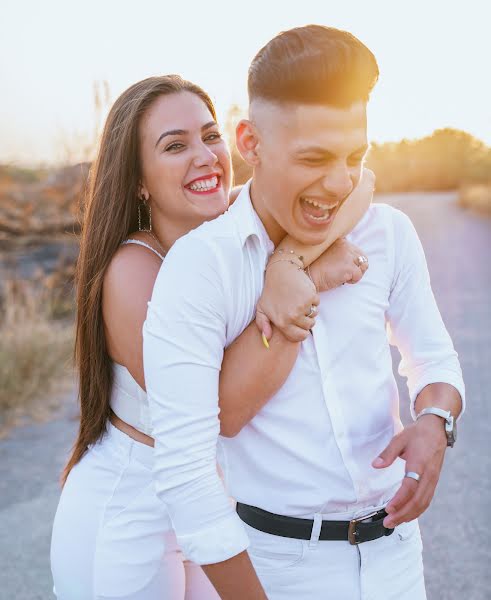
(413, 475)
(361, 260)
(313, 311)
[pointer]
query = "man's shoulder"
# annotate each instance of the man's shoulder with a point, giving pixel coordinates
(213, 248)
(385, 212)
(218, 235)
(382, 229)
(380, 215)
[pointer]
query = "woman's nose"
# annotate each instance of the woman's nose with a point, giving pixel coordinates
(205, 156)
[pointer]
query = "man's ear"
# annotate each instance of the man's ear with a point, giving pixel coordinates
(247, 140)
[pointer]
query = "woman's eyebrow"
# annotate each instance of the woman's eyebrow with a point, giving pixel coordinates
(182, 131)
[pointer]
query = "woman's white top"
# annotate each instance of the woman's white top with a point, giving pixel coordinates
(128, 400)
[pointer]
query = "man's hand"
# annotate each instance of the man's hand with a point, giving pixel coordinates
(339, 264)
(422, 445)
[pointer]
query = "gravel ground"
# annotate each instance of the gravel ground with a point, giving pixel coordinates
(457, 246)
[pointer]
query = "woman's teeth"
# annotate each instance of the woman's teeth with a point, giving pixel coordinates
(317, 210)
(204, 185)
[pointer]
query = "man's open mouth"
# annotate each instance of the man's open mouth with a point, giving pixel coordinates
(317, 210)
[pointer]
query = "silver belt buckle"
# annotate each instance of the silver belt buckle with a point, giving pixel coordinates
(352, 530)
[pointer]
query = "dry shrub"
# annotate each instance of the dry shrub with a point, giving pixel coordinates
(476, 196)
(35, 348)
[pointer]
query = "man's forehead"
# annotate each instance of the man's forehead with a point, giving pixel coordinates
(307, 119)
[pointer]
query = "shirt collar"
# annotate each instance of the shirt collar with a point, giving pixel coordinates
(248, 221)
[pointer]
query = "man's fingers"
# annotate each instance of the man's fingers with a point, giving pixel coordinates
(416, 504)
(391, 452)
(408, 489)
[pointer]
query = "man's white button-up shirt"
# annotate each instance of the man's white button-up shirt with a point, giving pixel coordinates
(309, 450)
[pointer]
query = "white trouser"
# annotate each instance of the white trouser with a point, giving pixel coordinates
(112, 537)
(389, 568)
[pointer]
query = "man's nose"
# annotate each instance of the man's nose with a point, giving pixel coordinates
(204, 156)
(338, 182)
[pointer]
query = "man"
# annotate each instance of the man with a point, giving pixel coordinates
(315, 468)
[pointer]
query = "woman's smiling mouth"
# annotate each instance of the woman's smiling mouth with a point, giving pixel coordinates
(205, 185)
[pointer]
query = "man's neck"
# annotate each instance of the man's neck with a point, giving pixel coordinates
(273, 229)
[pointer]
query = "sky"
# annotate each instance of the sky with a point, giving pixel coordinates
(433, 57)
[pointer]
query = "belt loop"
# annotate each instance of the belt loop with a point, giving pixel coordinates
(316, 530)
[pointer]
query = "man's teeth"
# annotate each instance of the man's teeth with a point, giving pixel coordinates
(323, 218)
(324, 207)
(204, 184)
(318, 204)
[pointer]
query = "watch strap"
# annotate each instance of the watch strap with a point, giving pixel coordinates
(432, 410)
(450, 430)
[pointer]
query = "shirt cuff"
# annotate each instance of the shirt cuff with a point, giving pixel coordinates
(226, 539)
(449, 377)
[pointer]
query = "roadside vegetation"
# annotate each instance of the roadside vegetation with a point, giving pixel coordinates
(36, 341)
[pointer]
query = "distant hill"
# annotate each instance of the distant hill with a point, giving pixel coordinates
(40, 202)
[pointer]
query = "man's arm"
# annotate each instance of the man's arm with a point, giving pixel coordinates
(183, 341)
(431, 366)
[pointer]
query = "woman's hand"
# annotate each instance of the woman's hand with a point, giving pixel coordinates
(341, 263)
(288, 296)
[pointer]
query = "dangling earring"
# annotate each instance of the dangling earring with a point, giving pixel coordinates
(143, 205)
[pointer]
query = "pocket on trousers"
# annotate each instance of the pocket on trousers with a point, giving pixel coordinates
(270, 552)
(408, 532)
(131, 546)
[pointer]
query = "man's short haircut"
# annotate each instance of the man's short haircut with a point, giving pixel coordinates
(313, 65)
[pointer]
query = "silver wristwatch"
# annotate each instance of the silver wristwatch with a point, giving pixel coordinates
(450, 424)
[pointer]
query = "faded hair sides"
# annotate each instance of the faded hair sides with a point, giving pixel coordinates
(313, 65)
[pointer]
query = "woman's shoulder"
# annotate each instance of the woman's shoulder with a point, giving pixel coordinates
(137, 249)
(133, 264)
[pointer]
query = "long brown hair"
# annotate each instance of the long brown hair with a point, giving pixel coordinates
(109, 217)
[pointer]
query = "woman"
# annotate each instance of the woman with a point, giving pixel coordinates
(162, 170)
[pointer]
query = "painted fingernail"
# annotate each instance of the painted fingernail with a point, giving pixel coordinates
(265, 340)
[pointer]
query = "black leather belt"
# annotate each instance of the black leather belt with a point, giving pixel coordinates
(366, 528)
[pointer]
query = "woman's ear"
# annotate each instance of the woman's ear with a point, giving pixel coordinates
(143, 192)
(247, 140)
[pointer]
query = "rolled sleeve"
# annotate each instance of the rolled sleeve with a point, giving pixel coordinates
(183, 340)
(415, 325)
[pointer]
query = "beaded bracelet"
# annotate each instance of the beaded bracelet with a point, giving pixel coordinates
(283, 251)
(284, 260)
